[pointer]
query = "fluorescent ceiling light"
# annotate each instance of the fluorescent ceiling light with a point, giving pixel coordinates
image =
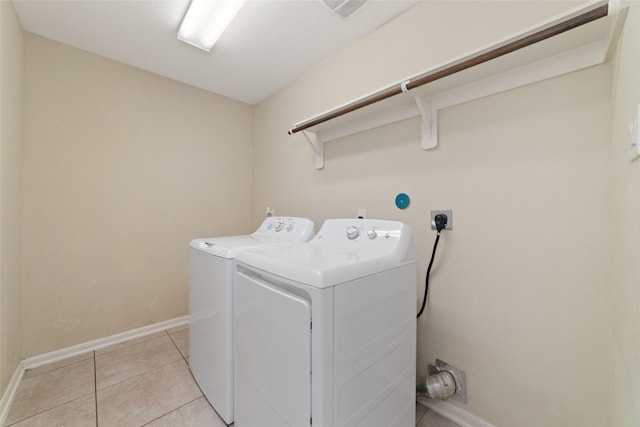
(205, 21)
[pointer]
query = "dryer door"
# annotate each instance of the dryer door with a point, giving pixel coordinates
(273, 355)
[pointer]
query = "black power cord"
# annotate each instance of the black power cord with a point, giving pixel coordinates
(440, 221)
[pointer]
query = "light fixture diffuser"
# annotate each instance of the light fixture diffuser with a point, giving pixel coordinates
(205, 21)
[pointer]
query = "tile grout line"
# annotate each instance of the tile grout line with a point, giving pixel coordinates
(199, 388)
(46, 410)
(141, 373)
(143, 339)
(194, 379)
(202, 393)
(93, 355)
(103, 343)
(43, 411)
(177, 348)
(181, 357)
(128, 346)
(173, 410)
(62, 365)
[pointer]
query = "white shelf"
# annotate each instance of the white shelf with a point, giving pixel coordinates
(578, 48)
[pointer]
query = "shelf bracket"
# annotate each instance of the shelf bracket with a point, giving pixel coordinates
(428, 115)
(317, 146)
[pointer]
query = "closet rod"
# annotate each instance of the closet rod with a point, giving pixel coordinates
(464, 64)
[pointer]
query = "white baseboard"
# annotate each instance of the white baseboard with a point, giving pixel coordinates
(54, 356)
(454, 413)
(10, 392)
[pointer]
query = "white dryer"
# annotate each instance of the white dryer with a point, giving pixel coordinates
(211, 268)
(326, 330)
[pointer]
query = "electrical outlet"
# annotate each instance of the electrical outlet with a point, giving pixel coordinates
(448, 213)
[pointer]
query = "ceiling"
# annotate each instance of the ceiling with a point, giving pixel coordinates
(269, 43)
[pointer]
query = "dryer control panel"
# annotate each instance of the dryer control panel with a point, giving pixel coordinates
(361, 229)
(376, 234)
(353, 232)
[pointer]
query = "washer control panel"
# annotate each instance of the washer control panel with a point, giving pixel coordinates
(289, 228)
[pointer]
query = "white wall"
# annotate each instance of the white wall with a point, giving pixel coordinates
(519, 297)
(625, 227)
(11, 95)
(122, 168)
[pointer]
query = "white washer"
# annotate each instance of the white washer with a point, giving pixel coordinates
(211, 268)
(326, 330)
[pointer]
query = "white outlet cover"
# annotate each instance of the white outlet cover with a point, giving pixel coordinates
(634, 127)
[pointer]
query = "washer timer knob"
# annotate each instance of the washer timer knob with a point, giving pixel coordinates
(352, 232)
(372, 234)
(278, 225)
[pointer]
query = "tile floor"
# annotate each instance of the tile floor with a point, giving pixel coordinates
(141, 382)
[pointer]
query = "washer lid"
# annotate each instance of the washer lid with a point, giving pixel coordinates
(228, 247)
(338, 253)
(273, 231)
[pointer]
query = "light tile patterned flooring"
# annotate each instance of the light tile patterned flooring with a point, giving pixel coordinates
(141, 382)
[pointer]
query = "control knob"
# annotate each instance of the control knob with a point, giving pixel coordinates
(278, 225)
(290, 226)
(372, 234)
(352, 232)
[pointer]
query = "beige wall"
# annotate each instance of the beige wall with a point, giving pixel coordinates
(122, 168)
(117, 160)
(625, 227)
(519, 297)
(11, 95)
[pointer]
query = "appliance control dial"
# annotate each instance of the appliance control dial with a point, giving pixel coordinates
(290, 226)
(278, 225)
(352, 232)
(372, 234)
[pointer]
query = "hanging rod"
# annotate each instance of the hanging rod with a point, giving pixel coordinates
(465, 63)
